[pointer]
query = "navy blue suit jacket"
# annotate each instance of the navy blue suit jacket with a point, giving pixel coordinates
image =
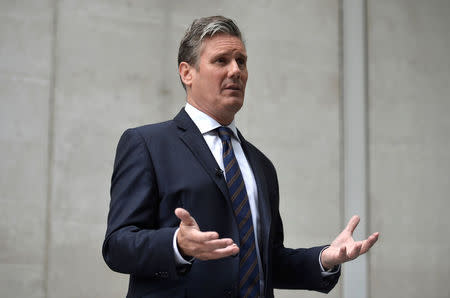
(163, 166)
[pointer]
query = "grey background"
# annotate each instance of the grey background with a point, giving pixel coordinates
(74, 74)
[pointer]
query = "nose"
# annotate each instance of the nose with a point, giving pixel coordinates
(234, 71)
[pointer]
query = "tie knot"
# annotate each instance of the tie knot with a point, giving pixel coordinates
(224, 133)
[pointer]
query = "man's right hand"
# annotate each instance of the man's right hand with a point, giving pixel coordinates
(201, 245)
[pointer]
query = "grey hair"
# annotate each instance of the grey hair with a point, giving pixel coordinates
(189, 50)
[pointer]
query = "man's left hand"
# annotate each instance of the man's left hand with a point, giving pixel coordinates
(344, 248)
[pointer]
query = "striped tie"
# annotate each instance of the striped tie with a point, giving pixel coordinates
(248, 261)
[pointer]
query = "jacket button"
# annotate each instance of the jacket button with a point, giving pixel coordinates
(228, 293)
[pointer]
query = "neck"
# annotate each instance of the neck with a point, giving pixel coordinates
(223, 118)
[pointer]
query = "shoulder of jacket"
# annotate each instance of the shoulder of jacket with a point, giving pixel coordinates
(152, 130)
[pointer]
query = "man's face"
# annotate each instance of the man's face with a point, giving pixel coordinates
(219, 79)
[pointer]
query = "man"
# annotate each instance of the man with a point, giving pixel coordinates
(194, 206)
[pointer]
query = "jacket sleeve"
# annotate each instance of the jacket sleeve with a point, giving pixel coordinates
(300, 269)
(134, 243)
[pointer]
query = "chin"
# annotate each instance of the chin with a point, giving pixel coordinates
(235, 104)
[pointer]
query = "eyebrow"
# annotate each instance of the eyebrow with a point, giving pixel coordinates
(226, 53)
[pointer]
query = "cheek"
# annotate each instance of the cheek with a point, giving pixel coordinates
(216, 82)
(244, 77)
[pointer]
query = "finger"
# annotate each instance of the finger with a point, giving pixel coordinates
(369, 242)
(352, 223)
(200, 237)
(206, 249)
(354, 252)
(220, 253)
(212, 245)
(342, 254)
(191, 241)
(185, 217)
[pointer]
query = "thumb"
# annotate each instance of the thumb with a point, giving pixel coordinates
(352, 223)
(185, 217)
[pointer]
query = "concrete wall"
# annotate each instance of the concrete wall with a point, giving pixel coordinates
(26, 34)
(409, 137)
(74, 74)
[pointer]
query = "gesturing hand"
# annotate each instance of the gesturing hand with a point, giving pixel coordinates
(201, 245)
(344, 248)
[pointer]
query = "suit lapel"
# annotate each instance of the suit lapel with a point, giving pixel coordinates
(264, 210)
(193, 139)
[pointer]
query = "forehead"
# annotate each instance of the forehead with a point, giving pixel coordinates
(222, 44)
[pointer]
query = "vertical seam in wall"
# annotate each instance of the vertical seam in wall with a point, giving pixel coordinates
(163, 88)
(50, 136)
(354, 51)
(341, 121)
(367, 137)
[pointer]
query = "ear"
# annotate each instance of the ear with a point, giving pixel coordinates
(185, 70)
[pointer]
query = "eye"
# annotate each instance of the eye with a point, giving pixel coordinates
(241, 61)
(221, 60)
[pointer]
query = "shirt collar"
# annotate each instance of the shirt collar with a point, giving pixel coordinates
(206, 123)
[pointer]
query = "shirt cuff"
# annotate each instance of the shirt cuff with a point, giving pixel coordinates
(331, 271)
(179, 260)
